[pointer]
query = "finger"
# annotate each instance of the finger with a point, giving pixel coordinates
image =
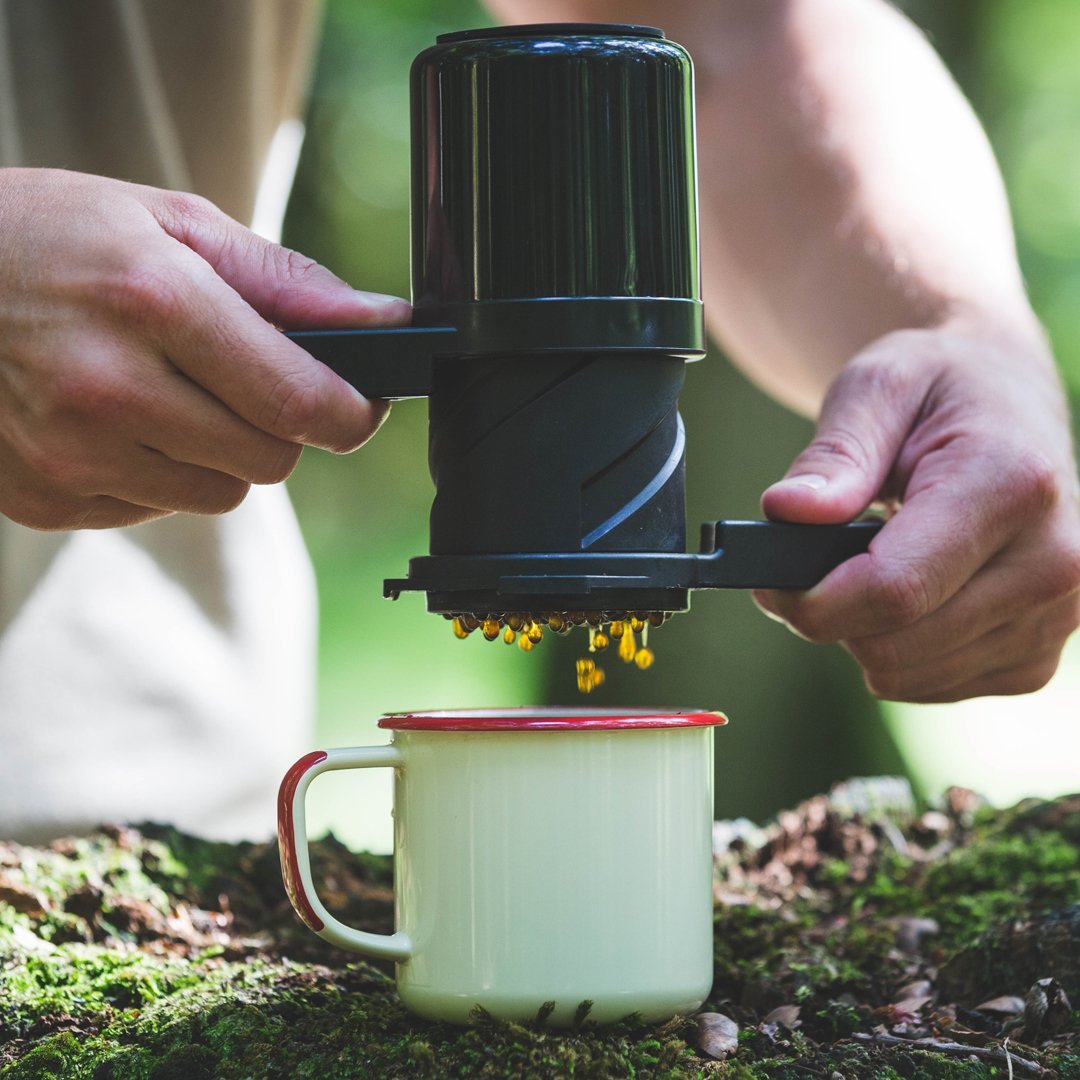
(1024, 581)
(29, 504)
(188, 425)
(964, 504)
(1025, 640)
(866, 415)
(216, 339)
(105, 512)
(119, 469)
(155, 481)
(145, 477)
(283, 286)
(112, 389)
(95, 512)
(1009, 681)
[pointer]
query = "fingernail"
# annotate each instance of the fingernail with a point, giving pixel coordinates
(379, 298)
(808, 480)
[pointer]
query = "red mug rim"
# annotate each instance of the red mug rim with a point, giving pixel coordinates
(555, 718)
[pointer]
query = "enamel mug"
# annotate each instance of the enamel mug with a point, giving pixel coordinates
(540, 855)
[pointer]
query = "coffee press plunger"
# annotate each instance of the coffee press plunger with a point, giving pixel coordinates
(555, 281)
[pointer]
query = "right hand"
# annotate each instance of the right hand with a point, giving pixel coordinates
(141, 372)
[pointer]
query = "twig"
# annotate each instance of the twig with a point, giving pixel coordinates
(995, 1054)
(1008, 1056)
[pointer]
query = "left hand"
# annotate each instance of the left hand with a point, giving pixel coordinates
(973, 585)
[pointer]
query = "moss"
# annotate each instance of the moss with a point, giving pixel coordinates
(154, 955)
(1068, 1067)
(974, 888)
(1006, 866)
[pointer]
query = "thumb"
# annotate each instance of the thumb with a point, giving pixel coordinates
(864, 421)
(283, 286)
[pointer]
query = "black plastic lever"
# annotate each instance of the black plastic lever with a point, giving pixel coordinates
(392, 364)
(776, 554)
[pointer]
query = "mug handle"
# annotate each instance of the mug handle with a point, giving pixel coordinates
(296, 864)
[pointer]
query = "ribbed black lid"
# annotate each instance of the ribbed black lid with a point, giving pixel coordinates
(555, 30)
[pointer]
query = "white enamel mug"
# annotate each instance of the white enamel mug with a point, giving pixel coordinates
(540, 855)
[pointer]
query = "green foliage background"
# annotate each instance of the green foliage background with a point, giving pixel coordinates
(800, 717)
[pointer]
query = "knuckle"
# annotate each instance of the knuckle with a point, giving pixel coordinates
(276, 466)
(838, 446)
(1032, 485)
(299, 269)
(293, 407)
(872, 376)
(886, 685)
(1025, 680)
(290, 268)
(1055, 578)
(903, 594)
(1052, 628)
(144, 292)
(224, 495)
(1069, 569)
(182, 210)
(878, 654)
(93, 391)
(62, 469)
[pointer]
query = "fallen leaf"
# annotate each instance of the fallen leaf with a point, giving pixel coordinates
(911, 931)
(718, 1035)
(918, 988)
(22, 898)
(1007, 1004)
(1046, 1008)
(788, 1015)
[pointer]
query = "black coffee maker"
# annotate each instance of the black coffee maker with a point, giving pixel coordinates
(555, 280)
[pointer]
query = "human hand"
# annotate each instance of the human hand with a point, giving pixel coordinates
(140, 373)
(973, 585)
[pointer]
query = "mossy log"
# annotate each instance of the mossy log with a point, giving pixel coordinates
(856, 937)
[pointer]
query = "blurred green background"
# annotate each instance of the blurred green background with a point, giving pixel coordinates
(800, 716)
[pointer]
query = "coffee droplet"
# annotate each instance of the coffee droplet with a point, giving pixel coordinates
(604, 627)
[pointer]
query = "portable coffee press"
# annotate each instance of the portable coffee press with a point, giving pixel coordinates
(555, 281)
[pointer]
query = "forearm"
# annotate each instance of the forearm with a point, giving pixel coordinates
(846, 188)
